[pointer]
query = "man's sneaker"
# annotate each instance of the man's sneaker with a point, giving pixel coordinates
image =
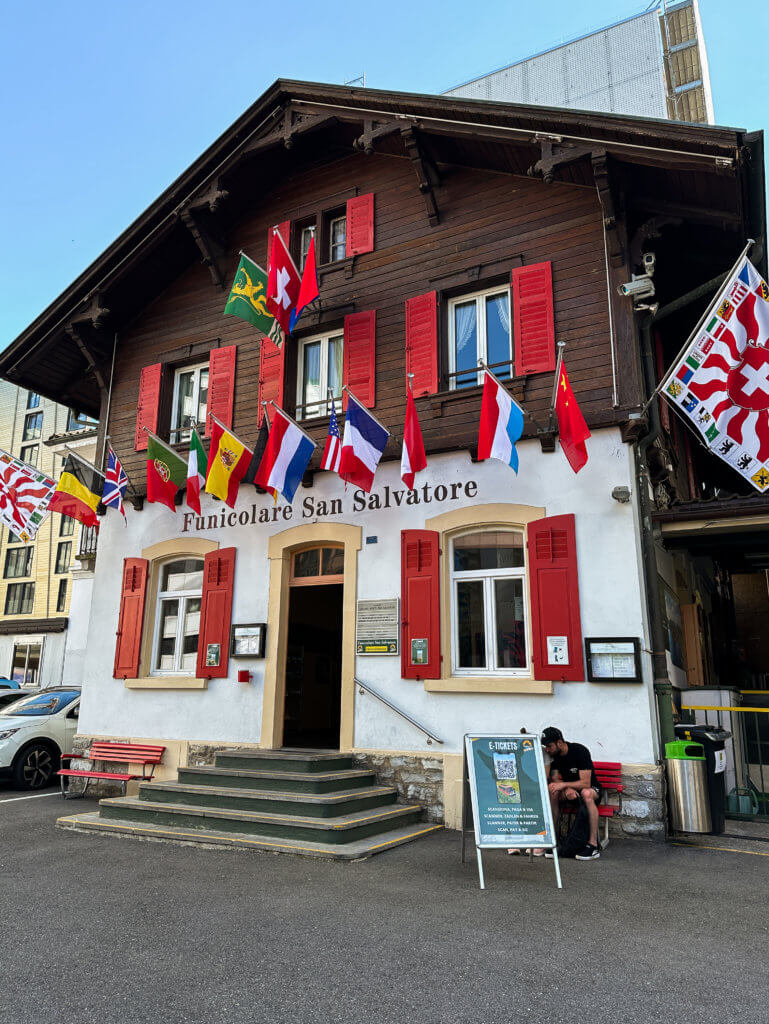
(589, 853)
(548, 854)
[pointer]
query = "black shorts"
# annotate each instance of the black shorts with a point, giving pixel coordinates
(597, 789)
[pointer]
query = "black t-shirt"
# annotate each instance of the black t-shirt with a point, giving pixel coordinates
(576, 759)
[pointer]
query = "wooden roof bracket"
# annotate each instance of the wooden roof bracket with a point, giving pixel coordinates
(426, 171)
(373, 130)
(208, 238)
(295, 123)
(72, 330)
(555, 152)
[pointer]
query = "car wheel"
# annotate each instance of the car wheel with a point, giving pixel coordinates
(35, 766)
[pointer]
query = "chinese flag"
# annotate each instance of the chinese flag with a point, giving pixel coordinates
(572, 429)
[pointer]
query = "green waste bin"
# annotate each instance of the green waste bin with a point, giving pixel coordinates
(687, 786)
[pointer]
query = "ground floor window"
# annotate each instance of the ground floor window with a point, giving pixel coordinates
(25, 667)
(488, 603)
(177, 617)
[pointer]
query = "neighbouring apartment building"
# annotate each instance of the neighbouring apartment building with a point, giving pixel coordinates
(37, 576)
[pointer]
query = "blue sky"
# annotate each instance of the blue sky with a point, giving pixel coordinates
(103, 105)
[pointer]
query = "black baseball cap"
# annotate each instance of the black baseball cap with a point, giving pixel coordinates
(551, 735)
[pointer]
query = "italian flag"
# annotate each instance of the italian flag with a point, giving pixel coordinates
(166, 472)
(196, 472)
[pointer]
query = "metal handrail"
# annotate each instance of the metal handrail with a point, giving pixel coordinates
(365, 688)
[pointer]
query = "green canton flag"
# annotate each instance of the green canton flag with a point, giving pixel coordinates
(248, 300)
(166, 472)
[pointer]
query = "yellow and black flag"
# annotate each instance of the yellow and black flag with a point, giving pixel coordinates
(78, 492)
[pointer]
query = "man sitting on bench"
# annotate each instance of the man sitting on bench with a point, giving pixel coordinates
(571, 776)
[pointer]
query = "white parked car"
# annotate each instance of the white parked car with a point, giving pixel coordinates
(34, 732)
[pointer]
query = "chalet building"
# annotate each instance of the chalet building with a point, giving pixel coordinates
(387, 625)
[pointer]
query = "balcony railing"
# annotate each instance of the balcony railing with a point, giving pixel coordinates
(87, 547)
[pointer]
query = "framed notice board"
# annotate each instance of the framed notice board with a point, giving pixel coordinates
(508, 793)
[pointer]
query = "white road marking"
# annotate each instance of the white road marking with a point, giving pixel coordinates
(36, 796)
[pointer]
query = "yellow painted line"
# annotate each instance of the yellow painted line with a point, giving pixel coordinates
(411, 835)
(715, 707)
(723, 849)
(289, 819)
(260, 794)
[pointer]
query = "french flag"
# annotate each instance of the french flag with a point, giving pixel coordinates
(286, 456)
(501, 423)
(364, 441)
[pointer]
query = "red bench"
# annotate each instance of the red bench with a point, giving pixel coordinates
(609, 774)
(145, 754)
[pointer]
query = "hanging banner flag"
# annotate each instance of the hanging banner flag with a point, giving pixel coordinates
(78, 491)
(572, 429)
(283, 283)
(166, 472)
(501, 423)
(720, 382)
(308, 290)
(228, 461)
(365, 439)
(25, 494)
(413, 458)
(333, 449)
(115, 484)
(286, 456)
(196, 471)
(248, 300)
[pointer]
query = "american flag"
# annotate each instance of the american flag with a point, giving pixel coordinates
(115, 484)
(333, 450)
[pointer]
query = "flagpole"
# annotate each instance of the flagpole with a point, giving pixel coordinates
(409, 378)
(330, 392)
(109, 400)
(708, 310)
(264, 407)
(368, 411)
(231, 432)
(558, 367)
(85, 462)
(282, 412)
(241, 253)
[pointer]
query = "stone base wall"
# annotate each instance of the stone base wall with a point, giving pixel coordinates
(644, 814)
(417, 777)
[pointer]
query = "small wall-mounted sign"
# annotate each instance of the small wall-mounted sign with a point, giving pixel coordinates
(558, 650)
(213, 655)
(377, 627)
(613, 659)
(419, 653)
(247, 640)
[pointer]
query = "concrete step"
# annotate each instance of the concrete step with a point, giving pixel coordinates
(284, 781)
(344, 828)
(310, 761)
(314, 805)
(217, 839)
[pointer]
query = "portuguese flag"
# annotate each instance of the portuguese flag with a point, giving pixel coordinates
(78, 491)
(166, 472)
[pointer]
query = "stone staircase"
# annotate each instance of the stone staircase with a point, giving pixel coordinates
(290, 801)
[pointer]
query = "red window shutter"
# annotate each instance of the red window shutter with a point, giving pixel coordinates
(148, 405)
(420, 602)
(216, 611)
(271, 360)
(422, 343)
(129, 628)
(285, 233)
(534, 328)
(360, 225)
(359, 360)
(554, 592)
(221, 386)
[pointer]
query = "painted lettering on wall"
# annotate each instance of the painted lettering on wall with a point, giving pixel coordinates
(314, 508)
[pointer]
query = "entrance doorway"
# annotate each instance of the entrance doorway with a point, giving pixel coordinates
(312, 708)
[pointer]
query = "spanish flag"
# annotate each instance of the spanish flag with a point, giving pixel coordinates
(228, 460)
(78, 492)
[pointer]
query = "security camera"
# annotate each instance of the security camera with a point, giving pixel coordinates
(649, 259)
(641, 287)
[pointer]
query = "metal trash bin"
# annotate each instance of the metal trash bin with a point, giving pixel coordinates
(687, 786)
(713, 738)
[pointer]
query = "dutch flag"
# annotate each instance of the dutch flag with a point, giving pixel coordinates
(501, 423)
(364, 441)
(286, 456)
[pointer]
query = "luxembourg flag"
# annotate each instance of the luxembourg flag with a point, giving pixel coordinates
(286, 456)
(501, 423)
(364, 441)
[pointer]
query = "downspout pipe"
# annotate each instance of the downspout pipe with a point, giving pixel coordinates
(663, 688)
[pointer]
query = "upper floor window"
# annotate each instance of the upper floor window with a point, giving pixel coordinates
(189, 401)
(18, 562)
(66, 526)
(30, 453)
(61, 597)
(177, 617)
(319, 370)
(479, 328)
(307, 234)
(33, 400)
(19, 598)
(337, 238)
(33, 426)
(63, 556)
(488, 604)
(79, 420)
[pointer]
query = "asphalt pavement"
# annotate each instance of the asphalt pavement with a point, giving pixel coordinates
(103, 929)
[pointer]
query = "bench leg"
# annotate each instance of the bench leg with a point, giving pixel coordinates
(605, 841)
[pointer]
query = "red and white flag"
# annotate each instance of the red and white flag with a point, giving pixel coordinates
(283, 283)
(413, 455)
(572, 429)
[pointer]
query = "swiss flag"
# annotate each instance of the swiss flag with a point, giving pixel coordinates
(283, 282)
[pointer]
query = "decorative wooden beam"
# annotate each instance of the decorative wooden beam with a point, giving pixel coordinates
(373, 130)
(200, 225)
(94, 311)
(211, 197)
(95, 369)
(555, 153)
(295, 124)
(426, 171)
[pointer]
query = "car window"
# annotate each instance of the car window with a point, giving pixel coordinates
(42, 703)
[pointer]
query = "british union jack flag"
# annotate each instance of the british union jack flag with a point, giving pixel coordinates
(115, 484)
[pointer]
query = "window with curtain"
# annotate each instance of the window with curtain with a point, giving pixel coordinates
(177, 617)
(189, 401)
(319, 370)
(479, 328)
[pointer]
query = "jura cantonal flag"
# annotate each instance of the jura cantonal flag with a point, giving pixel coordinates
(166, 472)
(501, 423)
(78, 491)
(572, 429)
(196, 471)
(720, 383)
(25, 494)
(283, 283)
(286, 456)
(413, 455)
(248, 299)
(228, 461)
(364, 442)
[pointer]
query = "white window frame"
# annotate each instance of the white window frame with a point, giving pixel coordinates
(173, 595)
(181, 434)
(331, 223)
(487, 577)
(324, 340)
(480, 320)
(27, 641)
